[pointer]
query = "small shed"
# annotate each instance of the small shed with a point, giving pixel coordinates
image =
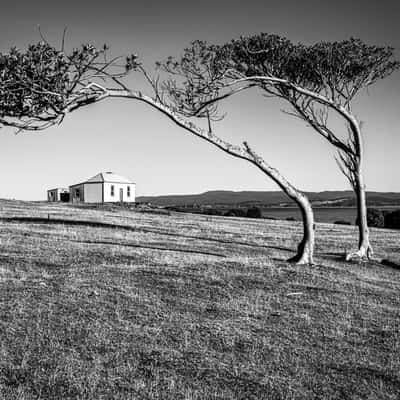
(58, 194)
(105, 187)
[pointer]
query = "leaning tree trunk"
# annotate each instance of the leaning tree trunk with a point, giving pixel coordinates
(364, 250)
(305, 250)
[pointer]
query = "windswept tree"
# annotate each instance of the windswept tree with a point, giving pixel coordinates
(39, 86)
(317, 81)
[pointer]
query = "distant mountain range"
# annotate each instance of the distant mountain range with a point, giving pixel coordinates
(343, 198)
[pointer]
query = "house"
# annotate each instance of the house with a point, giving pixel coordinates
(58, 194)
(105, 187)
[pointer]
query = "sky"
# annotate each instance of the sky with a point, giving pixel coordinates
(136, 141)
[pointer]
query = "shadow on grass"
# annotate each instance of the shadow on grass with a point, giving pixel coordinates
(72, 222)
(140, 246)
(98, 224)
(372, 261)
(392, 264)
(332, 256)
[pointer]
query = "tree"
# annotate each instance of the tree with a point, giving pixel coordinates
(40, 86)
(317, 81)
(192, 90)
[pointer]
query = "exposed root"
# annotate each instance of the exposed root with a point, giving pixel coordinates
(303, 257)
(364, 253)
(300, 260)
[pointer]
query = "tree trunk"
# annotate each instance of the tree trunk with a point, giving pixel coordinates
(305, 250)
(364, 247)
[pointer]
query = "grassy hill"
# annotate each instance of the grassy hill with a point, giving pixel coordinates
(331, 198)
(117, 304)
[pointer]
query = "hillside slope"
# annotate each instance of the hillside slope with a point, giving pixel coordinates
(116, 304)
(332, 198)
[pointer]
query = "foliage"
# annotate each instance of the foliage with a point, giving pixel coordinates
(33, 81)
(236, 212)
(375, 218)
(392, 220)
(254, 212)
(337, 70)
(194, 78)
(39, 85)
(211, 211)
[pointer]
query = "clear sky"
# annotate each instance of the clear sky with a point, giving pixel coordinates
(135, 141)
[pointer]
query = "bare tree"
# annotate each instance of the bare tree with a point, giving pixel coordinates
(317, 81)
(40, 86)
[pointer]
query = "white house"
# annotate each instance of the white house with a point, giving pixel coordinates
(105, 187)
(58, 194)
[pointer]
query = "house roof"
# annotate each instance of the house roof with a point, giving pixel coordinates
(58, 188)
(108, 177)
(105, 177)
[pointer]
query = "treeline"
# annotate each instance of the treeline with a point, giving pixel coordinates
(250, 212)
(383, 218)
(376, 218)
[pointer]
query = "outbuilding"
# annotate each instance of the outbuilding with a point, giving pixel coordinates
(58, 194)
(105, 187)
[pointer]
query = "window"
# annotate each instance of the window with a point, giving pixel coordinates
(128, 191)
(112, 190)
(77, 193)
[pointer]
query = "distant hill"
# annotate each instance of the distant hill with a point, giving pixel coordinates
(343, 198)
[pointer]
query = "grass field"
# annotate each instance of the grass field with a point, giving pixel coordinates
(116, 304)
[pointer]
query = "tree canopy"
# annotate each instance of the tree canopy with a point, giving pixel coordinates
(334, 72)
(40, 85)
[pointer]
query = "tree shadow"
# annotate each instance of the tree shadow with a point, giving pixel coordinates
(391, 264)
(98, 224)
(141, 246)
(60, 221)
(335, 256)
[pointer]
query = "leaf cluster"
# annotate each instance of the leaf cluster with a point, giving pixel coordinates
(335, 69)
(33, 81)
(194, 78)
(38, 84)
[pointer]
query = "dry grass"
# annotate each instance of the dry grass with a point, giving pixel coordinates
(113, 304)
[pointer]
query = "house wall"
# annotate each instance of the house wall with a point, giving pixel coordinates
(56, 196)
(73, 197)
(93, 192)
(117, 186)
